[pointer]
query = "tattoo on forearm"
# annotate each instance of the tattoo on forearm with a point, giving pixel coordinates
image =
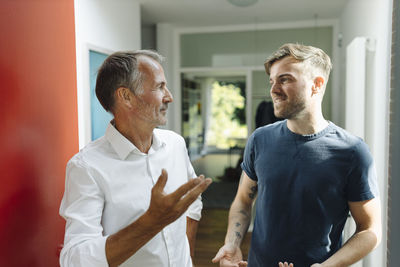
(240, 223)
(243, 212)
(253, 193)
(238, 235)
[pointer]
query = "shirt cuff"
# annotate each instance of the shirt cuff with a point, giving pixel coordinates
(90, 253)
(194, 210)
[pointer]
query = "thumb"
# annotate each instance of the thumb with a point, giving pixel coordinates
(161, 182)
(219, 256)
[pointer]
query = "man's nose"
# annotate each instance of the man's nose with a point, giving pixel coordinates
(168, 98)
(275, 88)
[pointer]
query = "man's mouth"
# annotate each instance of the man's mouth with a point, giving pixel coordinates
(278, 99)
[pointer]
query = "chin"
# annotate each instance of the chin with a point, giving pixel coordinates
(162, 123)
(279, 115)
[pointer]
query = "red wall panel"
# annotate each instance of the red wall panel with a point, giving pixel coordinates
(38, 126)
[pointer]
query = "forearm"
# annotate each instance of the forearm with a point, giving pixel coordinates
(191, 231)
(126, 242)
(356, 248)
(239, 221)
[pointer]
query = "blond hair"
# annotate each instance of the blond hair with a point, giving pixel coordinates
(313, 57)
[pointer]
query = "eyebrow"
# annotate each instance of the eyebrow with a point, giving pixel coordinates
(161, 83)
(282, 75)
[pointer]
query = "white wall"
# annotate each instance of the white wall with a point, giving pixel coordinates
(165, 46)
(149, 38)
(372, 18)
(109, 26)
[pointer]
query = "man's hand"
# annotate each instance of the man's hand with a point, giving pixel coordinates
(229, 256)
(285, 264)
(164, 209)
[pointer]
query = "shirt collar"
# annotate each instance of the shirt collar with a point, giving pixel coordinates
(158, 141)
(123, 147)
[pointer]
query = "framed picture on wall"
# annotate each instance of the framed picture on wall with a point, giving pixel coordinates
(99, 117)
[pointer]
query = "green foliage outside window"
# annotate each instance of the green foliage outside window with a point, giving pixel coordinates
(227, 128)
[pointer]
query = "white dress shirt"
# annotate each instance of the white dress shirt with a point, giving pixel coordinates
(108, 186)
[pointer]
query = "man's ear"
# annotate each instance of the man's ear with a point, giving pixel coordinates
(123, 96)
(318, 85)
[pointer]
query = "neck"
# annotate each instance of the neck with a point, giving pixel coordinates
(139, 134)
(307, 124)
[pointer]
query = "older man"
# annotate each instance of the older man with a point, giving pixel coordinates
(132, 197)
(308, 174)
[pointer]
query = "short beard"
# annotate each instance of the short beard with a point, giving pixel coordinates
(292, 111)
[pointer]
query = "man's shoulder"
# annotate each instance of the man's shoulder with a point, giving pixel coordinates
(168, 135)
(345, 137)
(89, 153)
(269, 129)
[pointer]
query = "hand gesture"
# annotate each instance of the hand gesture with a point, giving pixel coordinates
(164, 209)
(229, 256)
(285, 264)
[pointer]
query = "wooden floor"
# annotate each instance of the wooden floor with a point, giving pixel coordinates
(211, 235)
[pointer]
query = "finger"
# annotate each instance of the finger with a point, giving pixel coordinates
(192, 195)
(280, 264)
(161, 182)
(291, 265)
(243, 264)
(183, 189)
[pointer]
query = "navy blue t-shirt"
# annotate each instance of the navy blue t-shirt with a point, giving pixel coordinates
(304, 185)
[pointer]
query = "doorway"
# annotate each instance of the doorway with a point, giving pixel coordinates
(215, 130)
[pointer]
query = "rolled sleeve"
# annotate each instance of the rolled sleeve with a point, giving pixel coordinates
(88, 253)
(82, 207)
(194, 210)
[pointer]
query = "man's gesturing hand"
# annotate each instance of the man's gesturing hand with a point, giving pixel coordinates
(229, 256)
(164, 209)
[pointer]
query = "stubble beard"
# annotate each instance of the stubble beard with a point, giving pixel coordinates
(153, 116)
(289, 110)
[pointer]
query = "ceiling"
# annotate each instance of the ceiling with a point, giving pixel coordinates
(221, 12)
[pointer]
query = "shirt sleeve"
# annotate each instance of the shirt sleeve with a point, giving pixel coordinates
(248, 159)
(194, 210)
(362, 181)
(82, 207)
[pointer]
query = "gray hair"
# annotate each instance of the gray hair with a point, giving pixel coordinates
(121, 69)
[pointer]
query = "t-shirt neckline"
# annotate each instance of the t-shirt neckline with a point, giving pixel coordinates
(307, 137)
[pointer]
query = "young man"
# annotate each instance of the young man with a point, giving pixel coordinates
(308, 174)
(127, 194)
